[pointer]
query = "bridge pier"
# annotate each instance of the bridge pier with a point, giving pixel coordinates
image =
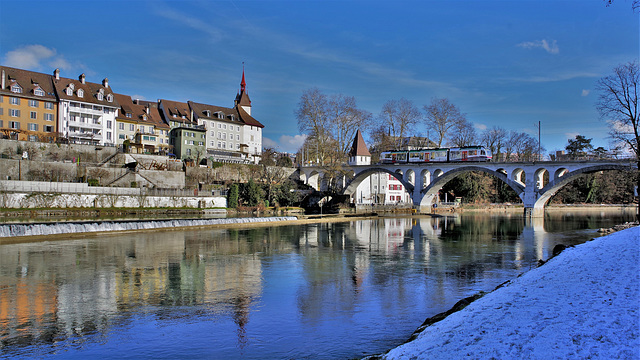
(533, 212)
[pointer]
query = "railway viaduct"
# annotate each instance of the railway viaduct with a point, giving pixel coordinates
(423, 181)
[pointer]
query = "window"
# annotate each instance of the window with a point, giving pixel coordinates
(14, 112)
(14, 125)
(14, 101)
(100, 96)
(132, 127)
(15, 88)
(48, 117)
(69, 91)
(108, 135)
(128, 115)
(33, 103)
(48, 106)
(120, 126)
(48, 128)
(38, 92)
(238, 146)
(33, 115)
(188, 151)
(80, 93)
(238, 137)
(109, 124)
(141, 129)
(32, 127)
(1, 112)
(121, 136)
(213, 144)
(109, 98)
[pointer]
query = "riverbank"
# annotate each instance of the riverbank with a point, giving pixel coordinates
(582, 303)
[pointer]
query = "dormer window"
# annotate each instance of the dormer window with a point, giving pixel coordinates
(220, 115)
(100, 96)
(69, 91)
(230, 117)
(38, 92)
(128, 115)
(80, 93)
(110, 98)
(207, 113)
(144, 117)
(15, 88)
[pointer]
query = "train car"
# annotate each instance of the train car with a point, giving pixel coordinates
(469, 153)
(428, 155)
(392, 157)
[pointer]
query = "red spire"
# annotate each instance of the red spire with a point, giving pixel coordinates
(243, 84)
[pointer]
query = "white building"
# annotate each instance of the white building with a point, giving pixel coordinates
(86, 111)
(232, 134)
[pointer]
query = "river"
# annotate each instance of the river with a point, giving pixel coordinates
(316, 291)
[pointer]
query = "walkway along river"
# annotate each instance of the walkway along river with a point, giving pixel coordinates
(325, 290)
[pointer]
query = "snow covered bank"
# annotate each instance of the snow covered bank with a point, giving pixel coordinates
(582, 304)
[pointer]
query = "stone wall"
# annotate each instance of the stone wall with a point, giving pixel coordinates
(14, 149)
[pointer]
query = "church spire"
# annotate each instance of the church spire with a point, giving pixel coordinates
(243, 84)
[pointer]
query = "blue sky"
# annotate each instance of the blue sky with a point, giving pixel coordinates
(506, 63)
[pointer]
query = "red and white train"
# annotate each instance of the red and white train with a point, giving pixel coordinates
(467, 153)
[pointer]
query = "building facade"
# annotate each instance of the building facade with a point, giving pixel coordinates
(141, 129)
(28, 105)
(186, 137)
(86, 111)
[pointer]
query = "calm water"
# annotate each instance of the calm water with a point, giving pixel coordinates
(321, 291)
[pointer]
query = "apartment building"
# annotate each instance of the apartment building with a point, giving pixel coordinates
(28, 105)
(86, 111)
(140, 127)
(186, 136)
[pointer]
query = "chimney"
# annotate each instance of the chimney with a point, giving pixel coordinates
(82, 78)
(56, 74)
(105, 82)
(3, 84)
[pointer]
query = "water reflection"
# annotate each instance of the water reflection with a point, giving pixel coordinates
(339, 289)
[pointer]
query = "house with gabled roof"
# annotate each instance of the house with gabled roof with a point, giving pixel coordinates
(232, 134)
(86, 111)
(186, 136)
(140, 127)
(28, 105)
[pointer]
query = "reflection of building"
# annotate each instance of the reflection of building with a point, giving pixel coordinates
(27, 308)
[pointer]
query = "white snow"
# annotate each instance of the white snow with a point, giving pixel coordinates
(582, 304)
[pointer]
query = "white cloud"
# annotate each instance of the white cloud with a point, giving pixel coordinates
(214, 34)
(481, 127)
(35, 57)
(285, 143)
(550, 47)
(571, 135)
(138, 97)
(585, 92)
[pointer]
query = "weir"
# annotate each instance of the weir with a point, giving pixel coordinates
(42, 229)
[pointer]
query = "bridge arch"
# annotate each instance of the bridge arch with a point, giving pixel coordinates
(352, 185)
(429, 192)
(566, 177)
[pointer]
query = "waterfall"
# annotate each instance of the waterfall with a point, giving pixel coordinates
(39, 229)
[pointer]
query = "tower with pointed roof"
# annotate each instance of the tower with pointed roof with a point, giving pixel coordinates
(242, 99)
(359, 154)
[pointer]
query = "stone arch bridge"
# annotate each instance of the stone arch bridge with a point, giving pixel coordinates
(423, 181)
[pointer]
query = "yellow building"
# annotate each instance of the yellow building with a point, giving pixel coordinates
(140, 127)
(28, 106)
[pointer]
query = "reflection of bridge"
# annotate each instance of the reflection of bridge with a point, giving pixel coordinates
(534, 182)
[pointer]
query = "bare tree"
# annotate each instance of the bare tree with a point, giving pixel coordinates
(494, 138)
(398, 119)
(464, 134)
(441, 117)
(312, 119)
(618, 105)
(345, 119)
